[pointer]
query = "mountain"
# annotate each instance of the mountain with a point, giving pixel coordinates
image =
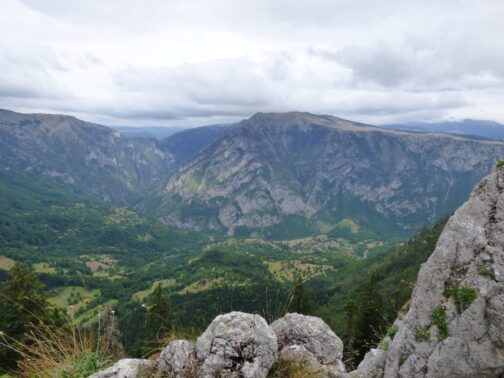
(186, 143)
(291, 174)
(93, 160)
(453, 326)
(148, 132)
(468, 127)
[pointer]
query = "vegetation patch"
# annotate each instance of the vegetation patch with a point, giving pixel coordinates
(73, 298)
(499, 163)
(439, 319)
(203, 285)
(288, 270)
(142, 295)
(422, 334)
(462, 296)
(125, 218)
(392, 331)
(384, 344)
(44, 268)
(6, 263)
(295, 368)
(486, 271)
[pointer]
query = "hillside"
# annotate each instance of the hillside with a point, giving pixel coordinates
(293, 174)
(91, 160)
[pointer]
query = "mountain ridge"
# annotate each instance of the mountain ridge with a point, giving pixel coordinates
(288, 158)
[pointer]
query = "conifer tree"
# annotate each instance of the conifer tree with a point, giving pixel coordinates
(300, 302)
(159, 312)
(23, 302)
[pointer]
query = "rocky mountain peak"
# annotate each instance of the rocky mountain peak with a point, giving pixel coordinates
(293, 171)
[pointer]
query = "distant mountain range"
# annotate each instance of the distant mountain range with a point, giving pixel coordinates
(148, 132)
(468, 127)
(273, 175)
(281, 175)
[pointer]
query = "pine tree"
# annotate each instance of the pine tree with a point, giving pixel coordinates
(300, 302)
(159, 313)
(369, 319)
(23, 302)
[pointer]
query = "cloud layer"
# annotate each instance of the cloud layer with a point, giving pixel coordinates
(190, 63)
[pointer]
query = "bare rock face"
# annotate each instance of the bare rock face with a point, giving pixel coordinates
(237, 345)
(126, 368)
(178, 359)
(455, 325)
(310, 338)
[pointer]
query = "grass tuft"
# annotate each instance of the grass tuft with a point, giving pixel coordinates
(463, 296)
(439, 319)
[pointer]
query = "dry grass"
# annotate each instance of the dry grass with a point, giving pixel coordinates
(296, 368)
(68, 351)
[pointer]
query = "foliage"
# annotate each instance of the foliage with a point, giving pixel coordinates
(392, 331)
(499, 163)
(439, 319)
(300, 301)
(23, 301)
(422, 334)
(384, 344)
(486, 271)
(463, 296)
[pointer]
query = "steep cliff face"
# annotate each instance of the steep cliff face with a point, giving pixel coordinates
(454, 326)
(299, 172)
(93, 160)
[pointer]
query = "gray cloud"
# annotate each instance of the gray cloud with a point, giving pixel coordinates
(199, 62)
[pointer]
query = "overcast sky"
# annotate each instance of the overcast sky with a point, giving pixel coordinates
(195, 62)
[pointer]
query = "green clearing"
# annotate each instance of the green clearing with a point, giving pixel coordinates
(73, 298)
(143, 294)
(6, 263)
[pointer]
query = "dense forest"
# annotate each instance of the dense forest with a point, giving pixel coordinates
(105, 267)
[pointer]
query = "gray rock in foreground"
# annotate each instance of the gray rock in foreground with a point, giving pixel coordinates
(463, 282)
(126, 368)
(310, 339)
(178, 359)
(237, 345)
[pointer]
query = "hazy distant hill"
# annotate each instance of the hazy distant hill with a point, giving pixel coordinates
(153, 132)
(186, 143)
(470, 127)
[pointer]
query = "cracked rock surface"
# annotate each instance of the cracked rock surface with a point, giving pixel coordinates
(178, 359)
(125, 368)
(310, 338)
(237, 345)
(458, 301)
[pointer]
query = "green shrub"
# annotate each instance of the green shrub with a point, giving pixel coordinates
(499, 163)
(463, 296)
(392, 331)
(422, 334)
(439, 319)
(485, 271)
(384, 344)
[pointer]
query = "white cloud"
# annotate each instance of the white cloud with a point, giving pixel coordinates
(177, 62)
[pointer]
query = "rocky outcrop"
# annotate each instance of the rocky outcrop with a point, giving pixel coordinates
(126, 368)
(237, 345)
(243, 345)
(178, 360)
(455, 324)
(308, 338)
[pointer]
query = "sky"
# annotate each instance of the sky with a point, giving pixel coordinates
(197, 62)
